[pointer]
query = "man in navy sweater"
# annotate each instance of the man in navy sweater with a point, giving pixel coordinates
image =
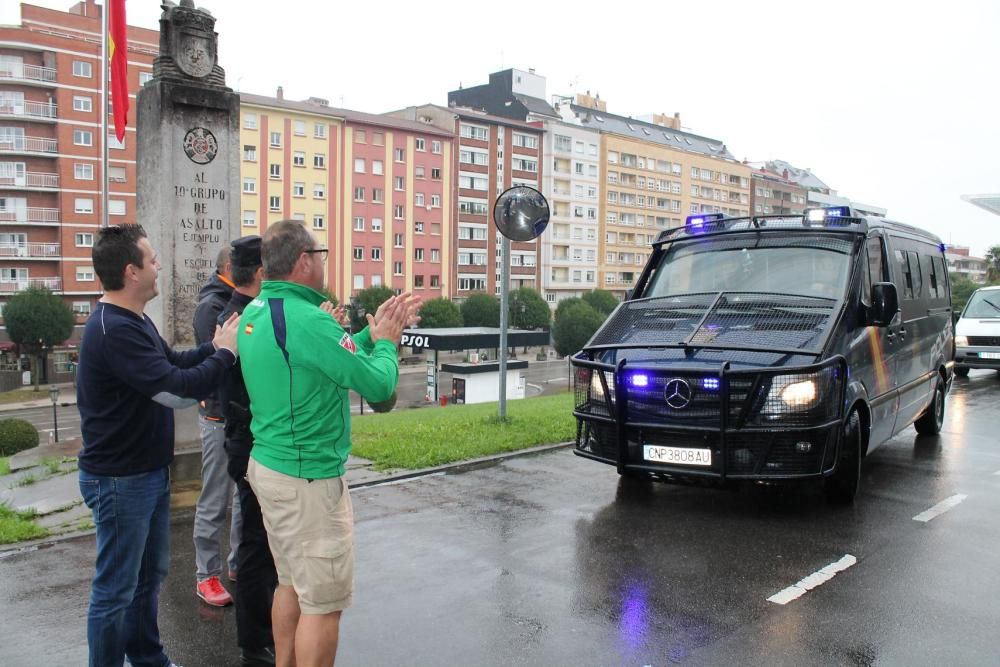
(129, 382)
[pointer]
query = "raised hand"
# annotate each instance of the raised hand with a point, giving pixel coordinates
(338, 313)
(225, 336)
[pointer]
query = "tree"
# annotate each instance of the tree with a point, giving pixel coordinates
(37, 320)
(440, 313)
(961, 289)
(328, 295)
(602, 301)
(368, 300)
(528, 309)
(481, 310)
(574, 326)
(993, 264)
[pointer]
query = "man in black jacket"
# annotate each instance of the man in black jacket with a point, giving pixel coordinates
(257, 576)
(128, 384)
(216, 487)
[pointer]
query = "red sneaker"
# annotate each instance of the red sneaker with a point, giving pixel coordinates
(212, 592)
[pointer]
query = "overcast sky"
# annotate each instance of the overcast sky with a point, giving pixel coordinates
(890, 103)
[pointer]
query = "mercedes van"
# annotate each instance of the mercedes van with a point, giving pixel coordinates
(770, 349)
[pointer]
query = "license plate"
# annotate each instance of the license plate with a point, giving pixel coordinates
(677, 455)
(989, 355)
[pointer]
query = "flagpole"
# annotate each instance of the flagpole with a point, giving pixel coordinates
(104, 113)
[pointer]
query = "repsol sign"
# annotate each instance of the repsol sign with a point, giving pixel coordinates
(414, 340)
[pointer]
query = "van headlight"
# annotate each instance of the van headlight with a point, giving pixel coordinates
(792, 394)
(597, 389)
(800, 395)
(961, 341)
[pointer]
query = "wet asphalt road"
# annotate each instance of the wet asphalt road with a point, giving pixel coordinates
(549, 560)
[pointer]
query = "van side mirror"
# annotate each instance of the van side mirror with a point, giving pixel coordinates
(885, 304)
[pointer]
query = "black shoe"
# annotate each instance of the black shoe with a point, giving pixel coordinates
(257, 658)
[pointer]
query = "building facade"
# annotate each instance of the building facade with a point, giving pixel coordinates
(964, 265)
(376, 190)
(653, 175)
(774, 194)
(50, 150)
(569, 248)
(493, 154)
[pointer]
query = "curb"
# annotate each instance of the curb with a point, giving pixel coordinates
(8, 550)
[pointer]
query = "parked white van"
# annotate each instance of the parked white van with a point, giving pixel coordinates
(977, 333)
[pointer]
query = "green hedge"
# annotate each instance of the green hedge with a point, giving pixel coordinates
(16, 435)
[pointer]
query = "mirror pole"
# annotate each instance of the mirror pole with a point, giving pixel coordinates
(504, 299)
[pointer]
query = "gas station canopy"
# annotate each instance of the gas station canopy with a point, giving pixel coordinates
(470, 338)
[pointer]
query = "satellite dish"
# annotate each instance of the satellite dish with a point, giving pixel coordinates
(521, 213)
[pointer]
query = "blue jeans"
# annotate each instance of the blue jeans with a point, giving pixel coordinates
(132, 516)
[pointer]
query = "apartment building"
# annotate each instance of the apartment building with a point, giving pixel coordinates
(376, 190)
(653, 175)
(572, 183)
(963, 264)
(50, 150)
(493, 154)
(772, 193)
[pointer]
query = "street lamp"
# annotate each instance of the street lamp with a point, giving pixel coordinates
(54, 396)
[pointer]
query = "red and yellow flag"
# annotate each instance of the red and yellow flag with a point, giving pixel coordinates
(118, 50)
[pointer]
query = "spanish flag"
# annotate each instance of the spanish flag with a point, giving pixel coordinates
(118, 50)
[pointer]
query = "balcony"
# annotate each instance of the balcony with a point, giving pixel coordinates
(29, 250)
(28, 145)
(14, 286)
(31, 180)
(29, 216)
(28, 110)
(29, 74)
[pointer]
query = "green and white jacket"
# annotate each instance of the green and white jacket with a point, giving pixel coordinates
(298, 365)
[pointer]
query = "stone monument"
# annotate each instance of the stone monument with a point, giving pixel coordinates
(188, 196)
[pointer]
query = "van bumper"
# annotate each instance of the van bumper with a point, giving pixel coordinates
(766, 456)
(973, 357)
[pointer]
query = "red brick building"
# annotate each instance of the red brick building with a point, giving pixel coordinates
(50, 150)
(493, 154)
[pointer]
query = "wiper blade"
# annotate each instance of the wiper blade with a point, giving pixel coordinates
(995, 307)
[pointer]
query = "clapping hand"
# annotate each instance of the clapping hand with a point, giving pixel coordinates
(338, 313)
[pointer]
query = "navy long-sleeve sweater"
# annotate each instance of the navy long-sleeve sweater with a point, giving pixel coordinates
(128, 383)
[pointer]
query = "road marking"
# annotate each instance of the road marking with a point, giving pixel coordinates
(818, 577)
(940, 508)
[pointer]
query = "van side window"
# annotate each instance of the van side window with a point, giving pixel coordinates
(905, 277)
(876, 261)
(942, 277)
(915, 276)
(934, 286)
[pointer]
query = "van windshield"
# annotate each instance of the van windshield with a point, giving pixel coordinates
(984, 304)
(811, 265)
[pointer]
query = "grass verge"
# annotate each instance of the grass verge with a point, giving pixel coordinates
(18, 526)
(4, 465)
(435, 436)
(23, 396)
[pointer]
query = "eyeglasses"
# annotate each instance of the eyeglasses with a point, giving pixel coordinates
(322, 251)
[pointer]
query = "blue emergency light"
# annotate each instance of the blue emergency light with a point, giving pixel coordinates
(828, 213)
(697, 223)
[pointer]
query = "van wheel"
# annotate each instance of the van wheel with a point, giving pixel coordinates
(842, 486)
(930, 422)
(962, 371)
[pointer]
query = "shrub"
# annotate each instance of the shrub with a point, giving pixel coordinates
(16, 435)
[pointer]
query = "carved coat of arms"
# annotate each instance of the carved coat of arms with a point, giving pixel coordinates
(200, 145)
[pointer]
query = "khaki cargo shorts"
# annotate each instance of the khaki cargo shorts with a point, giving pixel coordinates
(310, 529)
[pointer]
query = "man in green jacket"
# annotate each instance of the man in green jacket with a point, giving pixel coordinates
(298, 365)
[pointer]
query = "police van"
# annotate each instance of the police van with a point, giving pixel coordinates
(770, 349)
